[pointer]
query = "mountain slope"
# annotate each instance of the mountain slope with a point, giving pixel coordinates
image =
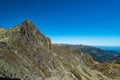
(114, 60)
(97, 54)
(26, 54)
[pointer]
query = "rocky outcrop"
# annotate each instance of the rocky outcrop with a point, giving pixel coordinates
(26, 54)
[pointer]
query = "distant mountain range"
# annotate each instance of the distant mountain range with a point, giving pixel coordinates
(110, 48)
(100, 55)
(115, 59)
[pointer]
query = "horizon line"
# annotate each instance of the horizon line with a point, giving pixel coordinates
(86, 44)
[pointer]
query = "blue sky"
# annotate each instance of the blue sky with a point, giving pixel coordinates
(90, 22)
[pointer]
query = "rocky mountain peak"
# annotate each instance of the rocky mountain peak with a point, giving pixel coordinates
(31, 35)
(26, 27)
(27, 23)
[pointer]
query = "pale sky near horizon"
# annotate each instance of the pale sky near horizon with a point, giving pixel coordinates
(93, 41)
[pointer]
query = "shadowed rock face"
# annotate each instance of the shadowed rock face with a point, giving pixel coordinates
(26, 54)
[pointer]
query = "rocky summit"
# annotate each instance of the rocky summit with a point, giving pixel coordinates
(26, 54)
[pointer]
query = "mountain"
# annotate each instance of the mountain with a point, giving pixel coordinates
(97, 53)
(26, 54)
(115, 59)
(110, 48)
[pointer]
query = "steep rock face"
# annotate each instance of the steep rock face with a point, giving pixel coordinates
(30, 36)
(26, 54)
(22, 46)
